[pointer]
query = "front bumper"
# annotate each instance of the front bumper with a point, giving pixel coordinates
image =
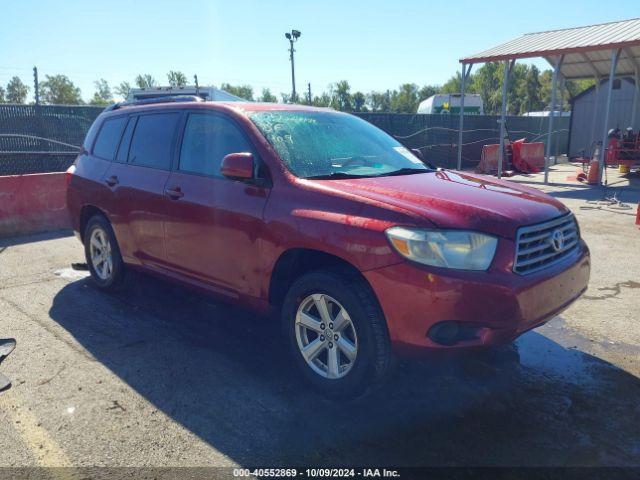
(497, 305)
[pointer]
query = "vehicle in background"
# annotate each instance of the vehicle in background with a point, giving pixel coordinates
(450, 103)
(206, 93)
(361, 250)
(547, 113)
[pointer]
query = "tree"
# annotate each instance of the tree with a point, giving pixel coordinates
(123, 89)
(515, 89)
(267, 96)
(427, 91)
(2, 95)
(242, 91)
(453, 85)
(285, 97)
(323, 100)
(359, 102)
(340, 96)
(58, 89)
(176, 79)
(487, 82)
(532, 91)
(146, 81)
(102, 95)
(16, 91)
(405, 100)
(380, 101)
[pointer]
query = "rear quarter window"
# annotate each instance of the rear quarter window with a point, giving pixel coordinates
(109, 137)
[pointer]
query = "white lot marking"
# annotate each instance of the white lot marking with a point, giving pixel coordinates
(71, 274)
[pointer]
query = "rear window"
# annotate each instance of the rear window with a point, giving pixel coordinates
(109, 138)
(152, 140)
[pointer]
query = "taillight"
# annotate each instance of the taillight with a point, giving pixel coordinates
(68, 175)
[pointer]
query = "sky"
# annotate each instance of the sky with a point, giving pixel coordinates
(375, 45)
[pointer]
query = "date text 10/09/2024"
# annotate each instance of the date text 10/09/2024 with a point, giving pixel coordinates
(316, 472)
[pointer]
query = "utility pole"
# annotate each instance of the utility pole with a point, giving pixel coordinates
(292, 37)
(195, 79)
(309, 93)
(36, 88)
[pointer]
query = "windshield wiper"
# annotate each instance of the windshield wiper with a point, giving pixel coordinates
(405, 171)
(336, 176)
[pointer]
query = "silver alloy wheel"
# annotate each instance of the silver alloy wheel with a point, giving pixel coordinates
(100, 252)
(326, 336)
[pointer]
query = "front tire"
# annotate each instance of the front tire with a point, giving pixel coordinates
(102, 254)
(337, 333)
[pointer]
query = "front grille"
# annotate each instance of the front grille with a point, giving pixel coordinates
(535, 246)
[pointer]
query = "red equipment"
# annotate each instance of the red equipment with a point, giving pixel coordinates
(623, 152)
(525, 157)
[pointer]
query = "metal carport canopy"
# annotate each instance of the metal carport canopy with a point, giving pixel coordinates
(594, 51)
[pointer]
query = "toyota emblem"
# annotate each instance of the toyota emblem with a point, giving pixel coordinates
(557, 240)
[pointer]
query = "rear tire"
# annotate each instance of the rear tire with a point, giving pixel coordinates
(337, 333)
(103, 254)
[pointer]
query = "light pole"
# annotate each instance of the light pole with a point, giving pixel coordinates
(292, 37)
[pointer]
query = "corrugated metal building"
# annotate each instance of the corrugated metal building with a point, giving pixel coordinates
(581, 52)
(587, 114)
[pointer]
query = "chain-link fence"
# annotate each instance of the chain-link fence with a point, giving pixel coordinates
(42, 138)
(46, 138)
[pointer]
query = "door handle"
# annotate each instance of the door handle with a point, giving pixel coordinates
(112, 180)
(173, 193)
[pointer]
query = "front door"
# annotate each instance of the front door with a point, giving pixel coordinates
(214, 225)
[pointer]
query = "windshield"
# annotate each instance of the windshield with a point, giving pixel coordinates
(333, 145)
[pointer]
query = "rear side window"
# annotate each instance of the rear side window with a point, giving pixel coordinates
(152, 140)
(109, 138)
(123, 151)
(207, 139)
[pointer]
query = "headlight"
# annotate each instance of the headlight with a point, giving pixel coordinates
(444, 248)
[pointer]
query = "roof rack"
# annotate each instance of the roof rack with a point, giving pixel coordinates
(149, 101)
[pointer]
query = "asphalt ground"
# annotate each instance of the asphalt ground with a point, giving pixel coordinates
(160, 376)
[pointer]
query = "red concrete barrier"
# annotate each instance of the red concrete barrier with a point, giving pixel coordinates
(489, 160)
(32, 203)
(528, 157)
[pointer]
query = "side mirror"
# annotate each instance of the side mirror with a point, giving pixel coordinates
(238, 166)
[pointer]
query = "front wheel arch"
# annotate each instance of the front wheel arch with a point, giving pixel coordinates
(295, 262)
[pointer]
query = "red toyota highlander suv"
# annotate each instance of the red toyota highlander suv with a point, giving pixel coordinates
(362, 249)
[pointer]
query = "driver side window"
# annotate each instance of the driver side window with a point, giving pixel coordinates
(207, 139)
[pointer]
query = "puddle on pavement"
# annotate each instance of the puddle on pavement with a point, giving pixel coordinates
(538, 353)
(555, 349)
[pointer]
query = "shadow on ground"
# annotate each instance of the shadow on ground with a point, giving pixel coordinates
(224, 374)
(36, 237)
(571, 189)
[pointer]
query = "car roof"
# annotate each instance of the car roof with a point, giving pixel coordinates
(243, 107)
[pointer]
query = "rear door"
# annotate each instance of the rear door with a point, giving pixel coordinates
(214, 224)
(138, 178)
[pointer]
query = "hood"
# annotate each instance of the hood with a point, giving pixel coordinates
(460, 201)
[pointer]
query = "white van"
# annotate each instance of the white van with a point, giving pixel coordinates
(450, 103)
(206, 93)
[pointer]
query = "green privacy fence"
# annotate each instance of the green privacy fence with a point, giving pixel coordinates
(42, 138)
(46, 138)
(436, 135)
